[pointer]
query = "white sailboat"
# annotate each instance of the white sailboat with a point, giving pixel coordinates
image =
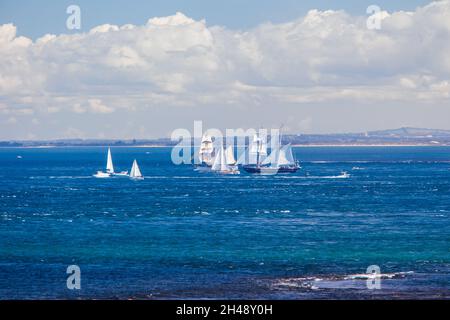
(221, 165)
(109, 169)
(135, 173)
(109, 163)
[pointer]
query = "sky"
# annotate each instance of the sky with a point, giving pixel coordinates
(140, 69)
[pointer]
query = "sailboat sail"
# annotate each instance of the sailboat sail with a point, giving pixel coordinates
(286, 157)
(206, 149)
(219, 161)
(257, 150)
(230, 156)
(273, 158)
(258, 145)
(135, 172)
(109, 163)
(280, 157)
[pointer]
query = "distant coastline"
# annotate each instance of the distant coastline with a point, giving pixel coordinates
(171, 146)
(386, 138)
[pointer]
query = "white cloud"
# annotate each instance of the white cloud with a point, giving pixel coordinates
(96, 106)
(78, 108)
(322, 57)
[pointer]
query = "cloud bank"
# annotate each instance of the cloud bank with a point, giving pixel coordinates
(120, 74)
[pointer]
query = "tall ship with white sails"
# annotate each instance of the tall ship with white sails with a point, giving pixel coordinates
(205, 154)
(280, 160)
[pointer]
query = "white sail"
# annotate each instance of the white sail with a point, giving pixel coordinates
(109, 163)
(216, 165)
(257, 150)
(280, 157)
(135, 172)
(285, 156)
(243, 158)
(273, 158)
(219, 161)
(258, 145)
(230, 156)
(206, 149)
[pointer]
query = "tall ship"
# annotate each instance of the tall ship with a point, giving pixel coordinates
(205, 154)
(253, 158)
(280, 160)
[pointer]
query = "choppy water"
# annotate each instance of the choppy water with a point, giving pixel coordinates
(183, 234)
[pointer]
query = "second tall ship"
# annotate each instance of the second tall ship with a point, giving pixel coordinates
(214, 157)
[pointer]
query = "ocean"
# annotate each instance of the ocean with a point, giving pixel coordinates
(181, 234)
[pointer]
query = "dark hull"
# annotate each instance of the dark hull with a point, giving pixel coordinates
(288, 169)
(269, 170)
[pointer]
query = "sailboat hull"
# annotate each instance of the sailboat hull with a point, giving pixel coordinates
(121, 174)
(288, 169)
(230, 171)
(253, 169)
(102, 175)
(204, 167)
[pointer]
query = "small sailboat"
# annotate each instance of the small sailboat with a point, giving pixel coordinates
(135, 173)
(109, 163)
(221, 165)
(109, 169)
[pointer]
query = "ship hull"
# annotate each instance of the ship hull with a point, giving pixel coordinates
(202, 167)
(288, 169)
(253, 169)
(260, 169)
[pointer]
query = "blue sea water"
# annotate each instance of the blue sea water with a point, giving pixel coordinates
(183, 234)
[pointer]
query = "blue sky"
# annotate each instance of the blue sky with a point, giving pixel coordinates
(35, 18)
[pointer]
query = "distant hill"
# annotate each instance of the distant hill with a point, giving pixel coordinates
(411, 132)
(401, 136)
